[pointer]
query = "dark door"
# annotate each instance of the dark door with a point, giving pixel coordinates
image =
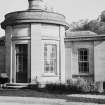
(21, 63)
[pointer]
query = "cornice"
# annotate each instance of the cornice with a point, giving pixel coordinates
(89, 38)
(28, 16)
(21, 38)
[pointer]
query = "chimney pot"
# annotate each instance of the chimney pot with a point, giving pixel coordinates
(36, 4)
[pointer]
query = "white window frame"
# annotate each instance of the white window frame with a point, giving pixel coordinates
(83, 60)
(50, 59)
(50, 42)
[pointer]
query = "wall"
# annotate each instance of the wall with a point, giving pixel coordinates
(68, 50)
(72, 58)
(99, 60)
(47, 34)
(75, 47)
(21, 30)
(50, 31)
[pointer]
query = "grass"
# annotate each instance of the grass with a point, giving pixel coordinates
(42, 94)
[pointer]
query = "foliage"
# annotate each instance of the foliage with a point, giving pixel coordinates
(97, 26)
(78, 86)
(33, 86)
(79, 26)
(102, 16)
(85, 25)
(3, 80)
(62, 88)
(86, 85)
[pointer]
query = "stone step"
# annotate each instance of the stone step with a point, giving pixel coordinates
(16, 85)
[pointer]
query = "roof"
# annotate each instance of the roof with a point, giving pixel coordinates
(83, 36)
(70, 34)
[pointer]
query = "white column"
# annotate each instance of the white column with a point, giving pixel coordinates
(62, 54)
(35, 51)
(99, 60)
(8, 34)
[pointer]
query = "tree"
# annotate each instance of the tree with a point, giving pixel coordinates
(93, 25)
(97, 26)
(102, 16)
(79, 26)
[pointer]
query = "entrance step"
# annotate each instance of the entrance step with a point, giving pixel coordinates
(16, 85)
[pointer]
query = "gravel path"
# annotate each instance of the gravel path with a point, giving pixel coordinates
(87, 96)
(4, 100)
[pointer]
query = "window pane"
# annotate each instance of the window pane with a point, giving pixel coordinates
(85, 58)
(86, 66)
(85, 52)
(81, 58)
(50, 56)
(81, 52)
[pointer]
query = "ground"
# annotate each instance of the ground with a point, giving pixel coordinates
(4, 100)
(32, 97)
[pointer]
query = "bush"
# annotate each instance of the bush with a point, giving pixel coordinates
(3, 80)
(33, 86)
(86, 86)
(62, 88)
(79, 86)
(55, 87)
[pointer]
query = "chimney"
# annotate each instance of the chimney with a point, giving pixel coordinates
(36, 5)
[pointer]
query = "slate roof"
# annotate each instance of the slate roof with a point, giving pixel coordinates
(70, 34)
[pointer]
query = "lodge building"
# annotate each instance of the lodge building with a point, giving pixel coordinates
(39, 47)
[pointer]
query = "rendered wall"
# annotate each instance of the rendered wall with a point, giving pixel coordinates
(47, 34)
(21, 30)
(68, 50)
(99, 60)
(74, 58)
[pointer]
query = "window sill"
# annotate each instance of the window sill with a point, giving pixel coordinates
(82, 75)
(49, 75)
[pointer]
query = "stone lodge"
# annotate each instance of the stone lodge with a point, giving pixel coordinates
(39, 47)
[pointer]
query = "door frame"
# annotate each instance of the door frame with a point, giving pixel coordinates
(13, 64)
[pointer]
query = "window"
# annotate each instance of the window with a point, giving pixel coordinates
(50, 58)
(83, 60)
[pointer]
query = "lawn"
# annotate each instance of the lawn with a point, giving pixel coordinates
(42, 94)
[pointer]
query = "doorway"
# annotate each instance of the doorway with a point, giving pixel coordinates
(21, 63)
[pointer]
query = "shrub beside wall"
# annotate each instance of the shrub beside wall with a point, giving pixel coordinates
(86, 86)
(78, 86)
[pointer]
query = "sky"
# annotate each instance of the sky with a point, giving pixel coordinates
(73, 10)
